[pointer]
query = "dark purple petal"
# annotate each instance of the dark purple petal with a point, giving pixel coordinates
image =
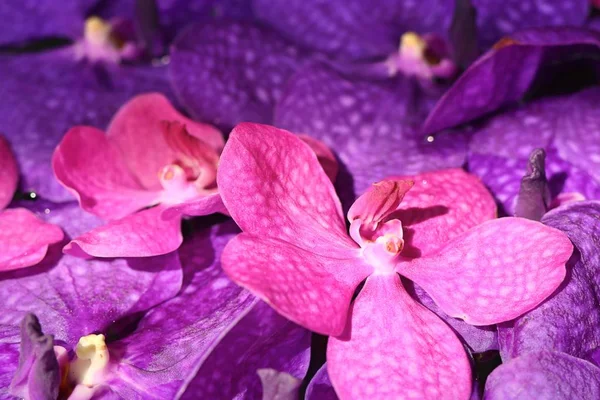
(568, 321)
(37, 375)
(278, 385)
(370, 126)
(40, 104)
(503, 75)
(354, 29)
(320, 387)
(534, 195)
(174, 338)
(262, 339)
(544, 375)
(74, 297)
(9, 360)
(463, 33)
(225, 73)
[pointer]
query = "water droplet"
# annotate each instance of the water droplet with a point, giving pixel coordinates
(430, 139)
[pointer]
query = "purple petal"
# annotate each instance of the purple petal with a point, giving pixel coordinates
(503, 75)
(534, 195)
(463, 33)
(320, 387)
(544, 375)
(41, 104)
(354, 29)
(370, 126)
(569, 319)
(278, 385)
(262, 339)
(225, 73)
(9, 360)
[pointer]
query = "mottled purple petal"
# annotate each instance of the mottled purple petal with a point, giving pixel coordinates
(9, 359)
(320, 387)
(278, 385)
(370, 126)
(40, 104)
(225, 73)
(262, 339)
(503, 75)
(544, 375)
(568, 321)
(533, 199)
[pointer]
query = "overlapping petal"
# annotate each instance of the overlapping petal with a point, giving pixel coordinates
(494, 272)
(392, 344)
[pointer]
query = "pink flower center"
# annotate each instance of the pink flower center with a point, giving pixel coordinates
(383, 247)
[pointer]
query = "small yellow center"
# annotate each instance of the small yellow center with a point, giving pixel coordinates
(412, 43)
(92, 359)
(97, 30)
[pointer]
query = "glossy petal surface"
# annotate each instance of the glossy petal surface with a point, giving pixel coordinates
(24, 238)
(544, 375)
(395, 347)
(9, 174)
(482, 282)
(568, 320)
(226, 73)
(370, 126)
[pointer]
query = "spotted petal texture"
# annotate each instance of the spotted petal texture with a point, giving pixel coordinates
(41, 104)
(226, 73)
(568, 320)
(503, 75)
(9, 173)
(544, 375)
(370, 126)
(262, 339)
(394, 346)
(494, 272)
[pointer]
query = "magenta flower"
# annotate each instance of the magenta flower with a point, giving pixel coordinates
(295, 254)
(24, 238)
(152, 167)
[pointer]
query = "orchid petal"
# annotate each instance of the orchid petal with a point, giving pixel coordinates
(395, 346)
(310, 289)
(568, 320)
(24, 238)
(278, 385)
(143, 234)
(544, 375)
(203, 205)
(494, 272)
(93, 169)
(273, 186)
(534, 195)
(9, 174)
(320, 387)
(324, 155)
(226, 73)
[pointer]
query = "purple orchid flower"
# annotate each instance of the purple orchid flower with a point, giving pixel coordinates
(24, 238)
(139, 341)
(295, 253)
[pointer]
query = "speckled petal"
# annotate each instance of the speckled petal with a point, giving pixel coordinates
(320, 387)
(544, 375)
(24, 238)
(73, 297)
(495, 271)
(173, 339)
(273, 186)
(262, 339)
(9, 173)
(568, 320)
(354, 29)
(503, 75)
(371, 126)
(313, 290)
(226, 73)
(394, 347)
(142, 234)
(9, 359)
(40, 104)
(440, 206)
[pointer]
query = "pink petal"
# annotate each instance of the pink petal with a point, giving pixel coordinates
(24, 238)
(494, 272)
(379, 200)
(324, 155)
(92, 168)
(310, 289)
(273, 186)
(440, 206)
(205, 205)
(135, 130)
(9, 173)
(395, 348)
(143, 234)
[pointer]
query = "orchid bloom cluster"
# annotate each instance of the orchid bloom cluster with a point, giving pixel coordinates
(256, 199)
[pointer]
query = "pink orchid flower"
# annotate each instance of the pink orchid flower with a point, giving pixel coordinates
(437, 229)
(24, 238)
(152, 167)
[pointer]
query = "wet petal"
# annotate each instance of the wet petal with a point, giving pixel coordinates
(541, 375)
(495, 271)
(9, 174)
(394, 347)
